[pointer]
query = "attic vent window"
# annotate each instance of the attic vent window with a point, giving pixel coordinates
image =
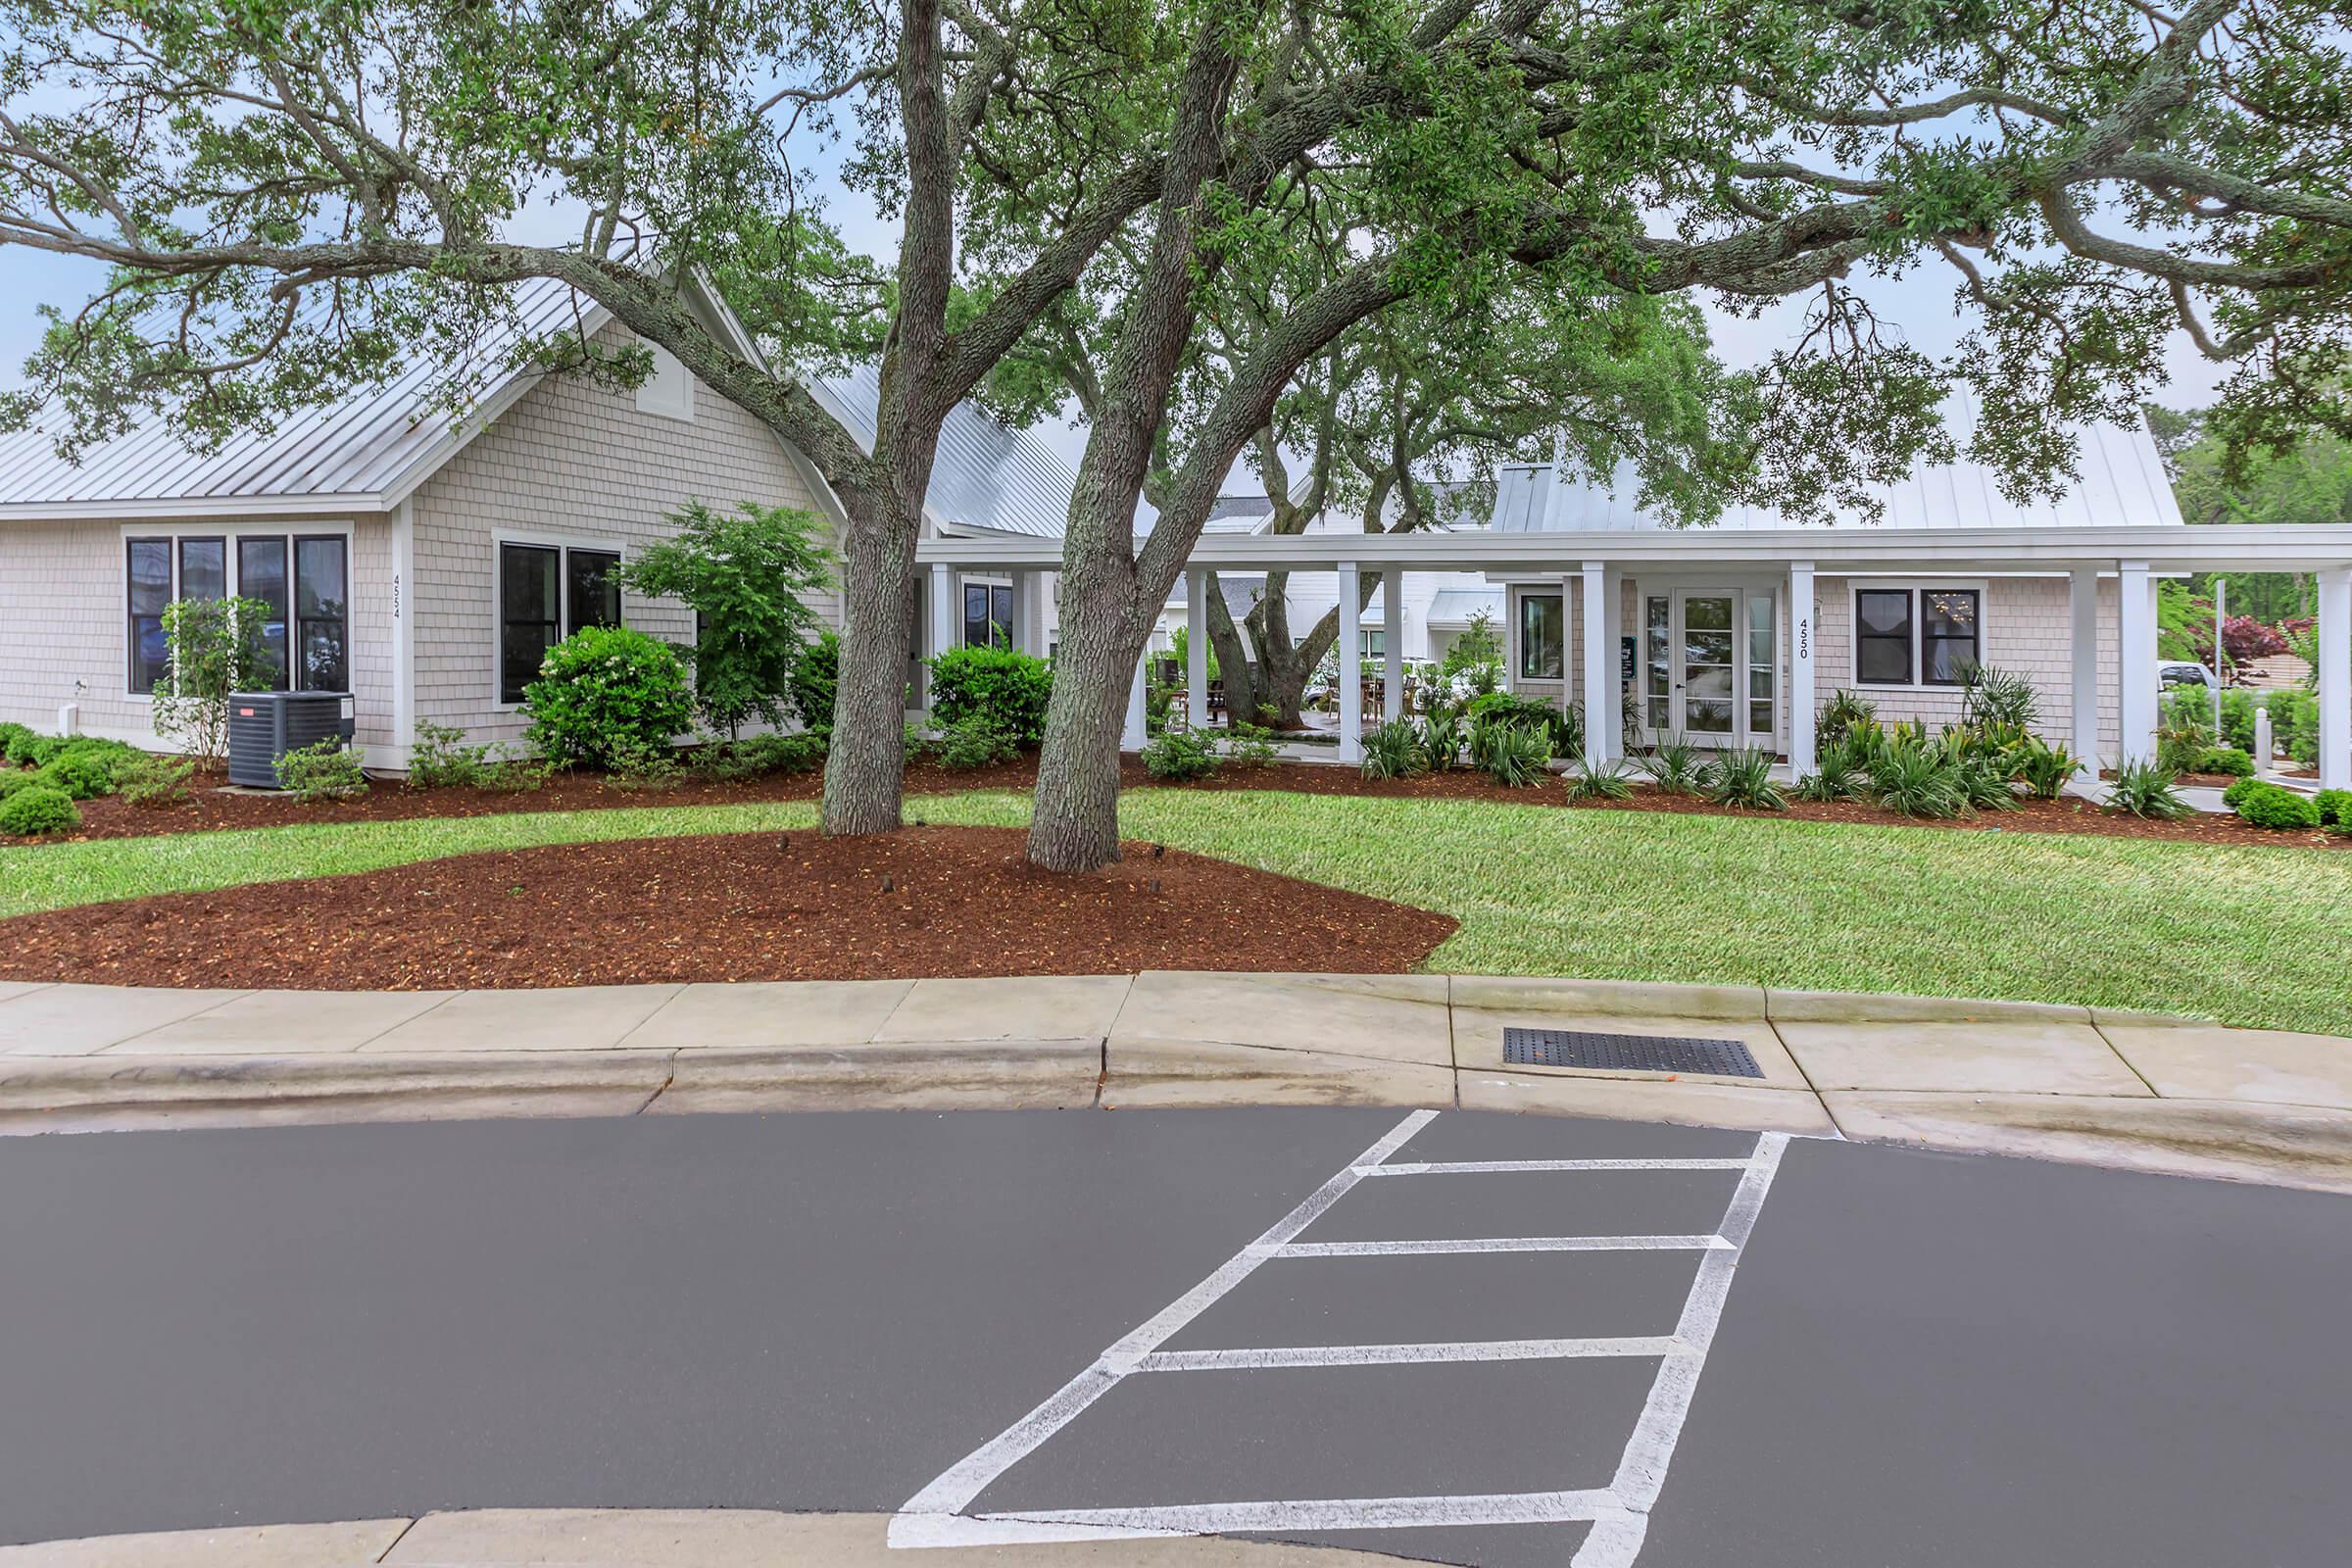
(668, 391)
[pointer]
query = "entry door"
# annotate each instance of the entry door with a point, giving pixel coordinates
(1707, 664)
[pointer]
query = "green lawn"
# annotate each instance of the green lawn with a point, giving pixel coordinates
(2249, 936)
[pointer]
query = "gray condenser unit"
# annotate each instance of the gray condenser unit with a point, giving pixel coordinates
(264, 726)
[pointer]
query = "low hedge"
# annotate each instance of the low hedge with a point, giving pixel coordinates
(2272, 805)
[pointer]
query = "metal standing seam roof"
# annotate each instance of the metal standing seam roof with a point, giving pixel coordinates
(1449, 607)
(2123, 484)
(368, 449)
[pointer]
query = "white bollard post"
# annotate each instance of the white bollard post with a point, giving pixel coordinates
(2265, 752)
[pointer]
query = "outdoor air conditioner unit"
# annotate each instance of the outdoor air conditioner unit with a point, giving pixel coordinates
(264, 726)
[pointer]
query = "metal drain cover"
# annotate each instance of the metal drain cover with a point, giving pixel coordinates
(1602, 1052)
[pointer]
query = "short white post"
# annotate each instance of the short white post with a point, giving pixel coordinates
(943, 619)
(1392, 645)
(2136, 688)
(2266, 747)
(2336, 678)
(1351, 667)
(1196, 645)
(2083, 622)
(1133, 736)
(69, 718)
(1600, 669)
(1801, 751)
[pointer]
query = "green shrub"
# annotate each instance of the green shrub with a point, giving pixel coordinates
(325, 771)
(814, 676)
(153, 782)
(2047, 768)
(2237, 719)
(2239, 791)
(1984, 782)
(2336, 808)
(1841, 717)
(1001, 684)
(1912, 779)
(11, 735)
(1837, 776)
(1394, 750)
(1251, 746)
(781, 754)
(1599, 781)
(742, 573)
(1564, 727)
(2225, 760)
(2179, 741)
(2296, 723)
(2278, 808)
(80, 775)
(636, 766)
(30, 813)
(605, 693)
(211, 647)
(1674, 765)
(39, 751)
(1441, 738)
(19, 778)
(974, 741)
(1179, 754)
(1997, 699)
(2145, 789)
(1743, 778)
(1514, 755)
(440, 758)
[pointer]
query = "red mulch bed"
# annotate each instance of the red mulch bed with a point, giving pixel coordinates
(920, 902)
(576, 792)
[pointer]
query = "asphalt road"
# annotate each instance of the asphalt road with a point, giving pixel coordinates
(1920, 1361)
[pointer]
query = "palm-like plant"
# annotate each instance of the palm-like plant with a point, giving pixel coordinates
(1588, 780)
(1743, 778)
(1674, 766)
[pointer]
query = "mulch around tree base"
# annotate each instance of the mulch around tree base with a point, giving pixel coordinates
(920, 902)
(212, 809)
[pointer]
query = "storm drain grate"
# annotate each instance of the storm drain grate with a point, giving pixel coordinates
(1600, 1052)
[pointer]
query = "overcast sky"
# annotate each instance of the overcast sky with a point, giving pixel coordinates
(1920, 306)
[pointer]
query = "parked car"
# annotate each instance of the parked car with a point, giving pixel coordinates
(2175, 672)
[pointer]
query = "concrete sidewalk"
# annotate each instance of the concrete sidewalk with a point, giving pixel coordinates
(2070, 1082)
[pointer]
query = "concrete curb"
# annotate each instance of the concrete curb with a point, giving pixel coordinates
(630, 1538)
(2099, 1086)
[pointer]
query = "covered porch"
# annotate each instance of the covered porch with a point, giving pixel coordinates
(1758, 593)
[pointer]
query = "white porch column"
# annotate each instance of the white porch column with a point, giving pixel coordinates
(1133, 735)
(1801, 751)
(2136, 662)
(1601, 664)
(1023, 629)
(2335, 680)
(1392, 644)
(2083, 616)
(1352, 668)
(943, 619)
(1196, 645)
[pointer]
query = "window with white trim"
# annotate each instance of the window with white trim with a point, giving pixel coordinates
(310, 614)
(545, 594)
(1916, 636)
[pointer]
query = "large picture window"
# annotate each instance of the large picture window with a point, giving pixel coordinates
(1543, 637)
(1916, 636)
(545, 593)
(303, 581)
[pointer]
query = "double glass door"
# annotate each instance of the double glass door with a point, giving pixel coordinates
(1710, 666)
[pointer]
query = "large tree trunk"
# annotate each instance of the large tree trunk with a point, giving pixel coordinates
(866, 763)
(1234, 667)
(1076, 823)
(1287, 666)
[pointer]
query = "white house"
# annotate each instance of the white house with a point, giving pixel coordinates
(421, 562)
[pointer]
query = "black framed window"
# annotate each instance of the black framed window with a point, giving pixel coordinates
(261, 577)
(1543, 637)
(204, 568)
(148, 570)
(1882, 636)
(1948, 635)
(323, 613)
(592, 589)
(530, 609)
(987, 615)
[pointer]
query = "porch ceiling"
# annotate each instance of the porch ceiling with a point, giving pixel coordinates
(2207, 547)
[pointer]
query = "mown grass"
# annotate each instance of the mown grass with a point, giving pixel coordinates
(2247, 935)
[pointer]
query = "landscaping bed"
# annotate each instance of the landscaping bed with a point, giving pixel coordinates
(922, 902)
(211, 808)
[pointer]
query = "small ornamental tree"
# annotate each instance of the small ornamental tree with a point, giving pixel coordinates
(211, 647)
(743, 574)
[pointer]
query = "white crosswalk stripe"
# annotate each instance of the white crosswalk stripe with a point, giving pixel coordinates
(940, 1515)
